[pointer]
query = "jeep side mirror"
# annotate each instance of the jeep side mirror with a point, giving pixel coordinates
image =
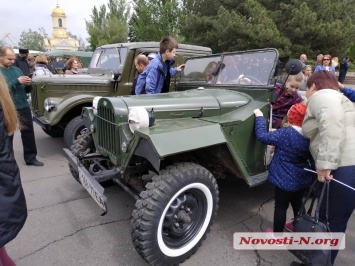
(293, 67)
(115, 74)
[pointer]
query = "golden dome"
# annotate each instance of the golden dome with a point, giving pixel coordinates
(58, 11)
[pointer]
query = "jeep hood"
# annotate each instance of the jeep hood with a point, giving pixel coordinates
(192, 103)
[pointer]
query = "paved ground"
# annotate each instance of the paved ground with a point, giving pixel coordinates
(64, 226)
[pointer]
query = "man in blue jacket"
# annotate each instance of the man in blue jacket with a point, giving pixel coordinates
(156, 77)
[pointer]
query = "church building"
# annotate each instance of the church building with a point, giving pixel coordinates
(60, 39)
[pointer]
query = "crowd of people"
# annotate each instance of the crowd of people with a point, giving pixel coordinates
(316, 133)
(41, 64)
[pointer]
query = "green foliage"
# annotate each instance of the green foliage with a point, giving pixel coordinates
(108, 24)
(33, 40)
(292, 26)
(351, 52)
(82, 45)
(154, 19)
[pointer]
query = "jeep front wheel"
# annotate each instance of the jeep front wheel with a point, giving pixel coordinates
(174, 214)
(72, 130)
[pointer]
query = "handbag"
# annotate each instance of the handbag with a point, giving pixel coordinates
(306, 222)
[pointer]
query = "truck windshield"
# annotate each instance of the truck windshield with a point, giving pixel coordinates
(247, 68)
(109, 58)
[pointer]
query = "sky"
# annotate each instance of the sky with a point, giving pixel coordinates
(19, 15)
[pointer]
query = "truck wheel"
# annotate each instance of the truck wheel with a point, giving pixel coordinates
(174, 214)
(72, 130)
(54, 132)
(83, 144)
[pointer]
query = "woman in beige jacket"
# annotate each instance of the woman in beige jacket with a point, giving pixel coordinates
(330, 125)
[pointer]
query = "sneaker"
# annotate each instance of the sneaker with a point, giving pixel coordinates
(289, 226)
(270, 235)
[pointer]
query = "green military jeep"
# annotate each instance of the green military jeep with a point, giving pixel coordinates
(57, 101)
(168, 150)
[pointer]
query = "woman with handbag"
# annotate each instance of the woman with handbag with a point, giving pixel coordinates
(330, 125)
(13, 209)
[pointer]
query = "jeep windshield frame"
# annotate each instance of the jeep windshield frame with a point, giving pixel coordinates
(247, 68)
(112, 58)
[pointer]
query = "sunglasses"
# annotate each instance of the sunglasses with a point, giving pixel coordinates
(326, 59)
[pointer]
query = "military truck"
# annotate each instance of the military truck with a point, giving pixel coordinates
(57, 101)
(168, 150)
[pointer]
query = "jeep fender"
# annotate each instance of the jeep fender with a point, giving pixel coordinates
(65, 106)
(171, 138)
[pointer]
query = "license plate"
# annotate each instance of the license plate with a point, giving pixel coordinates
(95, 190)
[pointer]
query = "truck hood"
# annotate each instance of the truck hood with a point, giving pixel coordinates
(80, 79)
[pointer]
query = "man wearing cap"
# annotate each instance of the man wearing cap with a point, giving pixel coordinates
(21, 61)
(343, 69)
(19, 85)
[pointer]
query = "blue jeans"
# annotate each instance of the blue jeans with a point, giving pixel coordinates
(341, 201)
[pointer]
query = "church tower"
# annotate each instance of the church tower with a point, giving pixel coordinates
(60, 39)
(59, 20)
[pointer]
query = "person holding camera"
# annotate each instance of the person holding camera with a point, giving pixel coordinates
(19, 85)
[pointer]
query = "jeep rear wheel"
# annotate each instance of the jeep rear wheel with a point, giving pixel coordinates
(73, 130)
(174, 214)
(82, 145)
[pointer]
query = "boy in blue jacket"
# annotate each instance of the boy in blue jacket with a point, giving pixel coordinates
(156, 77)
(286, 170)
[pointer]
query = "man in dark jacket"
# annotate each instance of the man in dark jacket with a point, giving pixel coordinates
(21, 61)
(19, 85)
(343, 69)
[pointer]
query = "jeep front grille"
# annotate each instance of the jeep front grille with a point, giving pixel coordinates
(108, 136)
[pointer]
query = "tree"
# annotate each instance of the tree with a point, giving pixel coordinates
(108, 25)
(292, 26)
(154, 19)
(82, 45)
(33, 40)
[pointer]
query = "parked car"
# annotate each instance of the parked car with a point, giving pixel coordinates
(57, 101)
(168, 150)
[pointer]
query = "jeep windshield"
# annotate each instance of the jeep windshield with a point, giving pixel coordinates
(109, 58)
(252, 68)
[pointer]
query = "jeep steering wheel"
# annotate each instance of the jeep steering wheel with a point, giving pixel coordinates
(253, 80)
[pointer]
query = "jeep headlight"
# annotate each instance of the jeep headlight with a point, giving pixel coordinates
(139, 117)
(49, 104)
(95, 102)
